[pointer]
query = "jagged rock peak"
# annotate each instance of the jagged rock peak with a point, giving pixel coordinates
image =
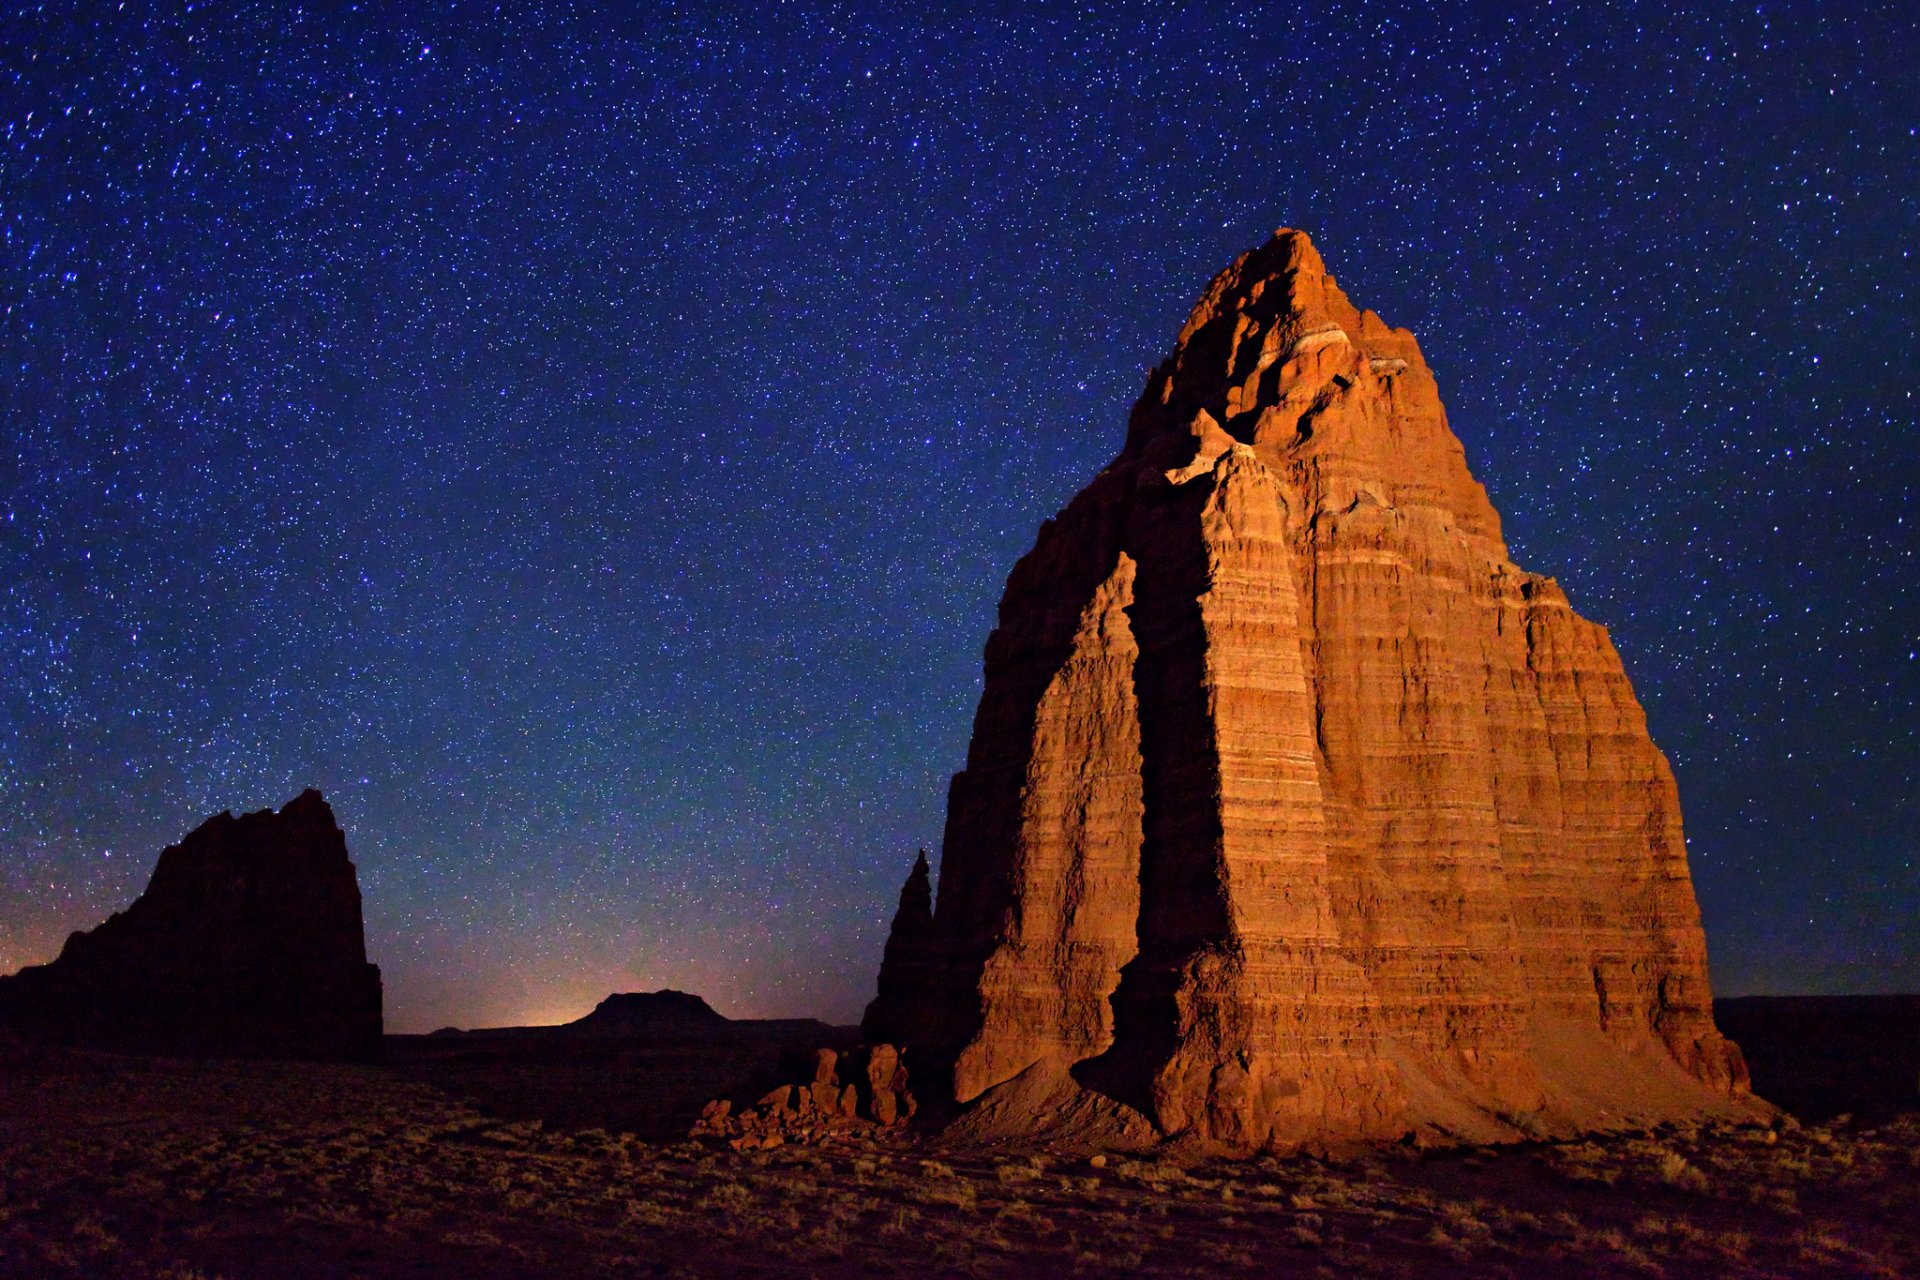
(1284, 275)
(1294, 811)
(248, 941)
(1276, 357)
(916, 897)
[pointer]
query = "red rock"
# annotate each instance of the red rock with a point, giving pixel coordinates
(1295, 812)
(822, 1110)
(824, 1063)
(887, 1083)
(247, 942)
(823, 1093)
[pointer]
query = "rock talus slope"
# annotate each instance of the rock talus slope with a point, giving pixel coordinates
(1294, 811)
(248, 942)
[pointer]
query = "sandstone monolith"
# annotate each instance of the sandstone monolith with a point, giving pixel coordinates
(248, 942)
(1295, 812)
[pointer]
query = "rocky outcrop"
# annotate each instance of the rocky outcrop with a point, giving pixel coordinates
(248, 942)
(1294, 811)
(820, 1110)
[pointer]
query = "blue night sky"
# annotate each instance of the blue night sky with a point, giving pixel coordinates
(589, 447)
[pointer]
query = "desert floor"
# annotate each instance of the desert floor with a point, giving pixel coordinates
(429, 1166)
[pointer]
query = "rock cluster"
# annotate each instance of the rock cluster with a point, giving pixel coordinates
(247, 942)
(1294, 811)
(822, 1109)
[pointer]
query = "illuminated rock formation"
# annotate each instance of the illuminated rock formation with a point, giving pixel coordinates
(248, 942)
(1294, 811)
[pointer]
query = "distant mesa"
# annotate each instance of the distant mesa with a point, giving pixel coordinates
(664, 1014)
(248, 942)
(648, 1013)
(1295, 813)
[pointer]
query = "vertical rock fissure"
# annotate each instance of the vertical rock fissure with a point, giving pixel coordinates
(1182, 909)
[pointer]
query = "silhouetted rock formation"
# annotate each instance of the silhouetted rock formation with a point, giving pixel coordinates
(642, 1013)
(1294, 811)
(248, 942)
(907, 967)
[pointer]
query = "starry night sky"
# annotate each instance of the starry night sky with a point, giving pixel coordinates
(590, 447)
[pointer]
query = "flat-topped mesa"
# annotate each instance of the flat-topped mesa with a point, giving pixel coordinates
(1295, 812)
(626, 1013)
(247, 942)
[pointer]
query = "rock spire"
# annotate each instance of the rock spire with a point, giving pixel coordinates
(1294, 811)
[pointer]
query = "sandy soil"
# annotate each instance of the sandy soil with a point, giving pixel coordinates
(123, 1167)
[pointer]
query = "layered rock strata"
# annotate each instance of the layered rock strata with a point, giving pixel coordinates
(1294, 811)
(248, 942)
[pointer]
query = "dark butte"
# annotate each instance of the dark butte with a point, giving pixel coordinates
(648, 1012)
(248, 942)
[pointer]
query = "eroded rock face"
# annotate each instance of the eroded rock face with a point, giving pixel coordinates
(1294, 811)
(248, 942)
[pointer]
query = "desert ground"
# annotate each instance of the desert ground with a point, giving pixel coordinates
(529, 1156)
